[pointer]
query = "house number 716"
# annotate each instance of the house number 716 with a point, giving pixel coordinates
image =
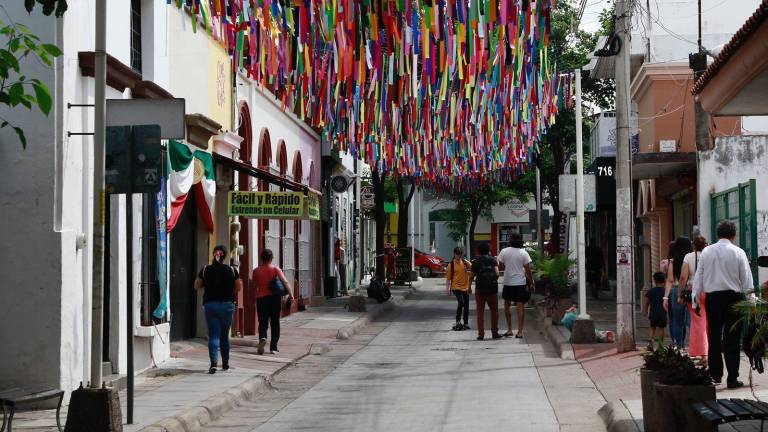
(605, 171)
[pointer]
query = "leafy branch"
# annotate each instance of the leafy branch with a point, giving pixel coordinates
(17, 89)
(49, 6)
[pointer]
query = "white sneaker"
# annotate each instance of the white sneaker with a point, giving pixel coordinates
(274, 351)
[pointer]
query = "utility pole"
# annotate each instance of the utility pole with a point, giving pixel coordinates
(97, 407)
(99, 194)
(625, 300)
(580, 242)
(698, 62)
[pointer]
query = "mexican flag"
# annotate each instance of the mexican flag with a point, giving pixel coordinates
(190, 170)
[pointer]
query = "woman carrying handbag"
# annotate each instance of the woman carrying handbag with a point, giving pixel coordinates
(698, 345)
(271, 285)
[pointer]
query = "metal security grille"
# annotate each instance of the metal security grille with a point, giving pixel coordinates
(136, 35)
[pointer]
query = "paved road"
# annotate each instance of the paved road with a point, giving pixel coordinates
(408, 372)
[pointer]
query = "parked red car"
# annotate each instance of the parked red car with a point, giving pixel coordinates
(429, 265)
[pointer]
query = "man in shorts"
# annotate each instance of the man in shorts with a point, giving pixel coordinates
(518, 282)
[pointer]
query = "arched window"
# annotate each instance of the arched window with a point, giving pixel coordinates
(265, 149)
(311, 181)
(282, 158)
(298, 168)
(245, 132)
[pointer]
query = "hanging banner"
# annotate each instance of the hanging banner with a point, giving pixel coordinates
(267, 205)
(313, 206)
(162, 250)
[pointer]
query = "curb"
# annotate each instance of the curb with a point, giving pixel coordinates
(559, 336)
(194, 418)
(352, 328)
(617, 417)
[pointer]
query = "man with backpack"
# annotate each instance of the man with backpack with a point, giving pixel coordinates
(457, 280)
(485, 269)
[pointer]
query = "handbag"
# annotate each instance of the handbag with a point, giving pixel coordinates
(277, 286)
(687, 293)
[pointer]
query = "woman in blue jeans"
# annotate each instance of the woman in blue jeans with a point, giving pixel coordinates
(678, 311)
(220, 283)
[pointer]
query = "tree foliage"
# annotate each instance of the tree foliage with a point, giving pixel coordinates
(15, 87)
(570, 49)
(49, 6)
(470, 207)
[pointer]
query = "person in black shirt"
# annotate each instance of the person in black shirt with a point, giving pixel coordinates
(220, 283)
(654, 310)
(485, 272)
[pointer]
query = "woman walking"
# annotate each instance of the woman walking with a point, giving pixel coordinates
(677, 309)
(268, 301)
(220, 283)
(697, 344)
(457, 280)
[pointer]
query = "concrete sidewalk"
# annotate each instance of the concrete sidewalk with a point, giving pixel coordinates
(180, 395)
(617, 375)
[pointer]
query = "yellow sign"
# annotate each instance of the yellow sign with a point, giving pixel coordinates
(313, 207)
(266, 205)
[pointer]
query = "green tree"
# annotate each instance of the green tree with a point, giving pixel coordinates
(570, 50)
(470, 207)
(379, 182)
(20, 43)
(403, 206)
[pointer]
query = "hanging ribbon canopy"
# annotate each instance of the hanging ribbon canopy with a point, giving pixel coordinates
(187, 171)
(444, 91)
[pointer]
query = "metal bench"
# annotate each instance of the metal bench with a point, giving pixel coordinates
(10, 399)
(722, 411)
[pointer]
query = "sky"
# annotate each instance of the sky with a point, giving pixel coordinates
(590, 20)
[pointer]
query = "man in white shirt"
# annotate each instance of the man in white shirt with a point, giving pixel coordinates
(518, 282)
(724, 275)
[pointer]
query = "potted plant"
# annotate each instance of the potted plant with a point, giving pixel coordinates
(652, 362)
(680, 384)
(554, 274)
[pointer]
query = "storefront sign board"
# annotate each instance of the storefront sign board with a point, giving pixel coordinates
(267, 205)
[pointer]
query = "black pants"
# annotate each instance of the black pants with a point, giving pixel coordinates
(463, 307)
(268, 309)
(723, 333)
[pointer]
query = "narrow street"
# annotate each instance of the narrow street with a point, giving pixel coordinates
(409, 372)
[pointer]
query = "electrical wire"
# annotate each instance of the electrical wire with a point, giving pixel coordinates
(664, 27)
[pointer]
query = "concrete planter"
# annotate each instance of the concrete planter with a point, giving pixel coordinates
(673, 407)
(647, 389)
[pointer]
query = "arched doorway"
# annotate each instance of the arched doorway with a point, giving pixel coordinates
(245, 316)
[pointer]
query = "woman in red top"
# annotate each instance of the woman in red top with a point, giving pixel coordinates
(268, 305)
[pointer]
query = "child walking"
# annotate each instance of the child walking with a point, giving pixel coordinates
(654, 309)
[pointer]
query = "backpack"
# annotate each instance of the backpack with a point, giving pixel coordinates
(487, 279)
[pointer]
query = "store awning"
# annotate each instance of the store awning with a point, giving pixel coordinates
(655, 165)
(262, 174)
